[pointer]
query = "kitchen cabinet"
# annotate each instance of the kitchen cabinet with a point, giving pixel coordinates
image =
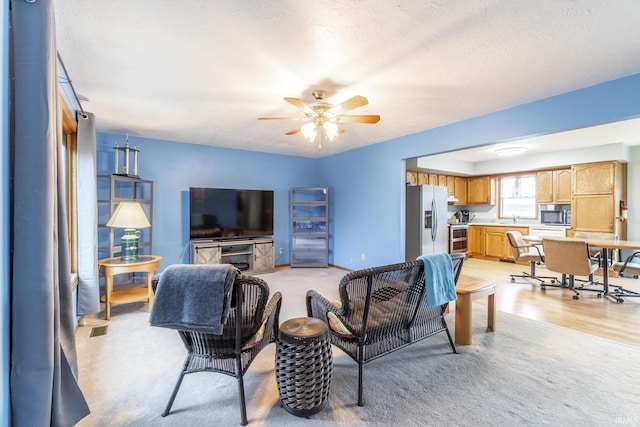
(594, 178)
(553, 186)
(481, 190)
(494, 242)
(476, 240)
(460, 190)
(492, 248)
(451, 186)
(423, 178)
(456, 185)
(594, 213)
(491, 241)
(412, 177)
(598, 189)
(562, 185)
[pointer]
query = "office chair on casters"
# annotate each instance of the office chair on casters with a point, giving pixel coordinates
(595, 252)
(630, 267)
(524, 253)
(571, 258)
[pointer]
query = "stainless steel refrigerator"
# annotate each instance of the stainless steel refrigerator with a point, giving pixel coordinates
(426, 220)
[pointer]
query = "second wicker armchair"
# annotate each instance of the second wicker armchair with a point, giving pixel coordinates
(381, 310)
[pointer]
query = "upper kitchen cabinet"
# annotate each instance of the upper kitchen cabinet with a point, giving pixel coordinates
(598, 189)
(594, 178)
(460, 189)
(423, 178)
(553, 186)
(412, 177)
(451, 186)
(481, 190)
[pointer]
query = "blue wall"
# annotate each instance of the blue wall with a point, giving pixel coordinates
(366, 185)
(174, 167)
(368, 204)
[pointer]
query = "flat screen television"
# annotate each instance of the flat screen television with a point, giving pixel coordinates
(223, 213)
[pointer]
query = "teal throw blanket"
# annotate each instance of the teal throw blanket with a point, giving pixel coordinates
(438, 278)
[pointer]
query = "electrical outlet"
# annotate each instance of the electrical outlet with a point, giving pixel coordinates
(281, 250)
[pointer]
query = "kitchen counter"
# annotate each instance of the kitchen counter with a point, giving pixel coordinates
(519, 224)
(489, 239)
(459, 224)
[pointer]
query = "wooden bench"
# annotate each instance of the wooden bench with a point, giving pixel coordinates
(469, 289)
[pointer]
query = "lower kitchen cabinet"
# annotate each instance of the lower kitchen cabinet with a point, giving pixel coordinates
(476, 240)
(491, 241)
(494, 242)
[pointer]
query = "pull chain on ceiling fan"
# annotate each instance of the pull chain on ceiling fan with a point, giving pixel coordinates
(323, 119)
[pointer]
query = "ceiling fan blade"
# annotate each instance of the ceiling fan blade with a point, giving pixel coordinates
(300, 119)
(348, 105)
(301, 105)
(293, 131)
(369, 119)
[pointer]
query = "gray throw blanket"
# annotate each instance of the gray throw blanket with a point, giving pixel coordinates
(194, 297)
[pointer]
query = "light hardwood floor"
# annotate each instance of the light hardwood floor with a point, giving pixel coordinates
(602, 317)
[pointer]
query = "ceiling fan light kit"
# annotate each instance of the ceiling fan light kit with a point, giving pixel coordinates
(323, 118)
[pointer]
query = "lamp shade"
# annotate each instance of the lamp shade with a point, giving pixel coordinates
(129, 215)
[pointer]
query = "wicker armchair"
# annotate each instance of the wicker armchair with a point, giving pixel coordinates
(382, 310)
(250, 326)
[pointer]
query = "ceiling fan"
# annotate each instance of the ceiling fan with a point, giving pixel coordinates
(323, 119)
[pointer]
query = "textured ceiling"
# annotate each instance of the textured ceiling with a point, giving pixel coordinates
(203, 71)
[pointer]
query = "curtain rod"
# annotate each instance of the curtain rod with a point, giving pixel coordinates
(66, 74)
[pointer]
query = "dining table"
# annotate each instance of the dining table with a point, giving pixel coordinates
(614, 291)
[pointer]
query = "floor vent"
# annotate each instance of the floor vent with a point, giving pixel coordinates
(96, 331)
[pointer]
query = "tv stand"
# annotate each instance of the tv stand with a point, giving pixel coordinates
(251, 256)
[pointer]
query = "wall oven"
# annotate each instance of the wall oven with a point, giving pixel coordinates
(458, 238)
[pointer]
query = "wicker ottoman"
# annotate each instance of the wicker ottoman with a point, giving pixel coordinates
(304, 364)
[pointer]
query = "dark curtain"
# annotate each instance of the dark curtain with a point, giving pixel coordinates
(44, 388)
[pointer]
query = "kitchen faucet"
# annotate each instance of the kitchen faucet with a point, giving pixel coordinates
(515, 218)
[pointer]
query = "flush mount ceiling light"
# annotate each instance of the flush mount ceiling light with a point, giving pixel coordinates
(324, 119)
(510, 151)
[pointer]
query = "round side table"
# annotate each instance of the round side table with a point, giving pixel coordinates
(304, 364)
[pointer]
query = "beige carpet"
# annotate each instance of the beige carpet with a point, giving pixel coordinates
(527, 373)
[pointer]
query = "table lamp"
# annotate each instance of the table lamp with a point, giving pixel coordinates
(129, 215)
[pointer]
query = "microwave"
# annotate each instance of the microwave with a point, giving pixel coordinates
(555, 217)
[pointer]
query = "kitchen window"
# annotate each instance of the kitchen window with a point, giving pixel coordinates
(518, 197)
